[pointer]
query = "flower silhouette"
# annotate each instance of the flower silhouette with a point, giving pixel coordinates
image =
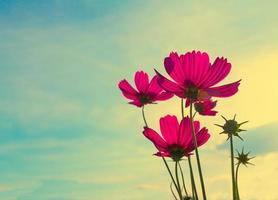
(146, 93)
(205, 107)
(195, 77)
(176, 140)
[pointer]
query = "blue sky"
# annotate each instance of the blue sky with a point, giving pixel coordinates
(65, 129)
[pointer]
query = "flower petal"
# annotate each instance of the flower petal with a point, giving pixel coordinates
(187, 103)
(163, 96)
(155, 138)
(185, 134)
(224, 90)
(173, 67)
(190, 147)
(205, 107)
(195, 66)
(154, 88)
(127, 90)
(136, 103)
(202, 136)
(217, 72)
(169, 127)
(163, 154)
(196, 126)
(169, 86)
(141, 80)
(209, 113)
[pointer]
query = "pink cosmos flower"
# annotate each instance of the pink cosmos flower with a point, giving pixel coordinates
(176, 140)
(205, 107)
(146, 93)
(195, 77)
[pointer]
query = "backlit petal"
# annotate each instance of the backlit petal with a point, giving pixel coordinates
(169, 128)
(154, 88)
(127, 90)
(202, 136)
(224, 90)
(217, 72)
(141, 80)
(136, 103)
(169, 86)
(185, 134)
(173, 67)
(195, 66)
(164, 96)
(155, 138)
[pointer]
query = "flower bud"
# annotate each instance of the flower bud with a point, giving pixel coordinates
(231, 127)
(243, 158)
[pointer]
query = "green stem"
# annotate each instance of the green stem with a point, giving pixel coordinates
(144, 118)
(183, 182)
(177, 179)
(232, 167)
(237, 181)
(194, 114)
(182, 108)
(194, 189)
(197, 153)
(170, 173)
(193, 186)
(173, 192)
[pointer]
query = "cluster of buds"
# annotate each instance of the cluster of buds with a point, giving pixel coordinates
(233, 128)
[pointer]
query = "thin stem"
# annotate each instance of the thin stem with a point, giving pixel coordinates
(177, 179)
(193, 186)
(169, 171)
(183, 182)
(194, 114)
(232, 167)
(194, 189)
(144, 118)
(197, 153)
(182, 108)
(173, 191)
(237, 181)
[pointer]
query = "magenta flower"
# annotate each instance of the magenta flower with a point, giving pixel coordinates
(205, 107)
(146, 93)
(195, 77)
(176, 140)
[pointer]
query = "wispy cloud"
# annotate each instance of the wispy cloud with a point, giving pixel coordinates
(260, 140)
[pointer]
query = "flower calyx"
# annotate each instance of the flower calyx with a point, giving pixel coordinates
(243, 158)
(176, 153)
(231, 127)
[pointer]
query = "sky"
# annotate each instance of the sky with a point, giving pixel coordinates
(66, 132)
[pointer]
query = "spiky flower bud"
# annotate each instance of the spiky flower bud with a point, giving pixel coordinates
(231, 127)
(243, 158)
